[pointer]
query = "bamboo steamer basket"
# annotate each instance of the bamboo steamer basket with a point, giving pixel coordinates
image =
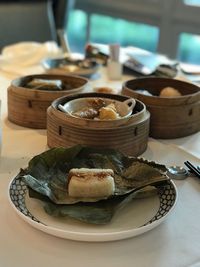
(130, 138)
(27, 107)
(171, 117)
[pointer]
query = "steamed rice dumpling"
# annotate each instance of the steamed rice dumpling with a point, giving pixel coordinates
(44, 84)
(85, 182)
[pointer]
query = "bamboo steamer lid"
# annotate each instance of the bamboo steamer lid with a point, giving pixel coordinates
(171, 117)
(130, 138)
(27, 107)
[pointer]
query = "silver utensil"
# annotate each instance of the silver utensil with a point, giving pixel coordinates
(177, 173)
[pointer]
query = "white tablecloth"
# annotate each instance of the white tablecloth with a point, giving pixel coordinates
(174, 243)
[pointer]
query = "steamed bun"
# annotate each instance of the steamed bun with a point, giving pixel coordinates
(169, 92)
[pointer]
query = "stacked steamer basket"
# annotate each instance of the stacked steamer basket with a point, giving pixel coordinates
(27, 106)
(129, 135)
(171, 117)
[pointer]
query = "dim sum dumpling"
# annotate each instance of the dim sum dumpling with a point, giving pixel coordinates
(108, 113)
(169, 92)
(91, 183)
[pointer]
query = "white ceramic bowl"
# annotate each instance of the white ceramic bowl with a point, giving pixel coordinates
(123, 108)
(132, 114)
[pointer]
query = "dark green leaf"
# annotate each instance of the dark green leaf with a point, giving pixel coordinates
(47, 175)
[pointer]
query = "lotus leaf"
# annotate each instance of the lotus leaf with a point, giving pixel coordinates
(47, 174)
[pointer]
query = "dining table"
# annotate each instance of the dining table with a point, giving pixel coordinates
(175, 242)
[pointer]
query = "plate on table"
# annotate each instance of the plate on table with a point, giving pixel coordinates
(82, 67)
(138, 217)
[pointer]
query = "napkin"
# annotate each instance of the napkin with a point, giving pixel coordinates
(26, 57)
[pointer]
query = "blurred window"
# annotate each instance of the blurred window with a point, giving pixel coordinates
(121, 31)
(169, 27)
(77, 30)
(192, 2)
(189, 48)
(105, 29)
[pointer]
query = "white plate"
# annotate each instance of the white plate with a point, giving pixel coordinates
(140, 216)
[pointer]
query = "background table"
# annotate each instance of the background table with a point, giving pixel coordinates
(176, 242)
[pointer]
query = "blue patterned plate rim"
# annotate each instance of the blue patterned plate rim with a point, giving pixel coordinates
(167, 200)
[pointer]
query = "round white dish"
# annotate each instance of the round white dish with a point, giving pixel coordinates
(140, 216)
(123, 108)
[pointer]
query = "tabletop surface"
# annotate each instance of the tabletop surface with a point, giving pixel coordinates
(175, 242)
